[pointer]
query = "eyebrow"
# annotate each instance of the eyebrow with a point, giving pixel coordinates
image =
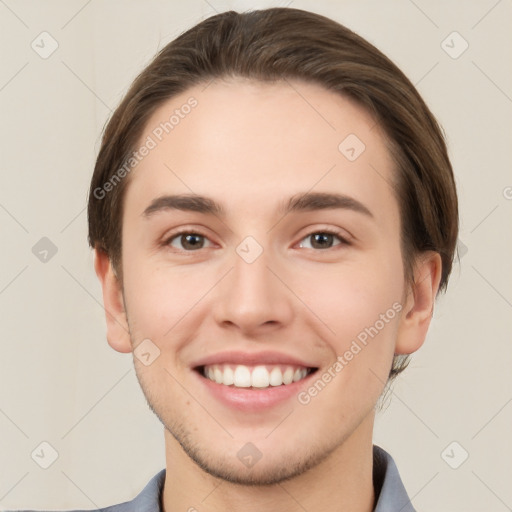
(309, 201)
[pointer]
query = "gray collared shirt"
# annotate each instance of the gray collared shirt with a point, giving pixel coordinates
(390, 493)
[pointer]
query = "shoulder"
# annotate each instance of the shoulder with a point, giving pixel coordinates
(148, 500)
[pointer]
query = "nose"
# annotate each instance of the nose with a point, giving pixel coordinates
(252, 298)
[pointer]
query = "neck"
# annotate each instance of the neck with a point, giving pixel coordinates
(342, 481)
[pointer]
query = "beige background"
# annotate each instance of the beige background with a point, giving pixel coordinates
(59, 380)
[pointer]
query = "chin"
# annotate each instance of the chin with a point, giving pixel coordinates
(248, 466)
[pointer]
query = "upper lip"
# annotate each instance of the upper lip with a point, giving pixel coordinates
(251, 359)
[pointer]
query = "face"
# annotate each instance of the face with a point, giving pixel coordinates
(261, 259)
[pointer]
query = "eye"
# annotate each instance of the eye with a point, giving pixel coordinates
(322, 240)
(188, 241)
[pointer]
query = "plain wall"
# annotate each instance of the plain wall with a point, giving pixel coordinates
(59, 380)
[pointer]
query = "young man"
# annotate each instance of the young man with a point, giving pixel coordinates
(273, 213)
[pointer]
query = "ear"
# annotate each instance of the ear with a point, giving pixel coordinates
(118, 333)
(419, 303)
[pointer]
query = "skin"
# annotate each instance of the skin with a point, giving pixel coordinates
(250, 146)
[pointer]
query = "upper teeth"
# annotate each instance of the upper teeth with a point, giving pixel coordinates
(242, 376)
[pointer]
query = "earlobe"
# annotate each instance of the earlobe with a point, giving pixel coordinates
(118, 334)
(419, 303)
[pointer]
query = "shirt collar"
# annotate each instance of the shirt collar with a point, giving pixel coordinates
(390, 493)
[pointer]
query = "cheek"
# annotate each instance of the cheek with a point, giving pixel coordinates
(349, 298)
(160, 300)
(360, 305)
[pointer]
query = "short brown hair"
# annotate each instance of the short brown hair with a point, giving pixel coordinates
(283, 43)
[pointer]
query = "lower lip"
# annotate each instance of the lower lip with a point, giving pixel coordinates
(254, 399)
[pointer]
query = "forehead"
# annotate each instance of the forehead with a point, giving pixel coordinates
(250, 141)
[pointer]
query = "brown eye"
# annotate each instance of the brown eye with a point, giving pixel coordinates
(187, 241)
(321, 240)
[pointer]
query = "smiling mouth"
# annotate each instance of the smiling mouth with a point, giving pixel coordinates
(257, 377)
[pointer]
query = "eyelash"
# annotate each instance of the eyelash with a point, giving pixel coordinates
(327, 231)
